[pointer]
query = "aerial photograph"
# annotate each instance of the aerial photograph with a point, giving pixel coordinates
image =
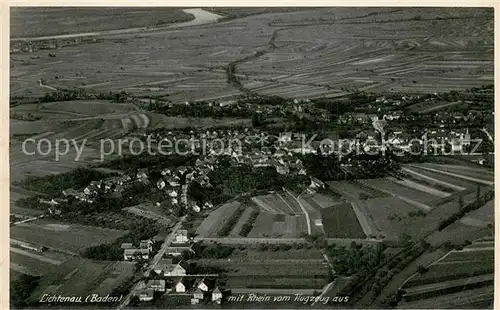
(251, 157)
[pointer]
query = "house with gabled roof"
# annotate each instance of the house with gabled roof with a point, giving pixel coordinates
(156, 285)
(177, 270)
(181, 236)
(217, 295)
(179, 287)
(201, 285)
(198, 294)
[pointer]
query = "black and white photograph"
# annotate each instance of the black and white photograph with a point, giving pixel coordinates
(247, 157)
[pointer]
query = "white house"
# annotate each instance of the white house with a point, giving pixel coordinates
(175, 271)
(172, 193)
(179, 287)
(217, 295)
(160, 184)
(202, 286)
(316, 183)
(131, 254)
(198, 294)
(145, 293)
(196, 208)
(181, 236)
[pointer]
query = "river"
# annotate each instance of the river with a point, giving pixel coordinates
(201, 17)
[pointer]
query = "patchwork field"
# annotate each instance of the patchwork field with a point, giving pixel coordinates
(81, 277)
(354, 190)
(293, 269)
(216, 219)
(387, 217)
(69, 238)
(441, 50)
(459, 279)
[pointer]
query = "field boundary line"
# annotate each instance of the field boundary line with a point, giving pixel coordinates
(460, 188)
(303, 210)
(291, 209)
(408, 200)
(457, 175)
(362, 219)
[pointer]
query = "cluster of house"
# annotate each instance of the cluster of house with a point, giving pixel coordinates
(131, 252)
(203, 289)
(175, 182)
(112, 185)
(180, 244)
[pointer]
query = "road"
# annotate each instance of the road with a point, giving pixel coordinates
(153, 263)
(308, 220)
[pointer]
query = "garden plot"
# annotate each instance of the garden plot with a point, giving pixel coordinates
(235, 232)
(274, 203)
(216, 219)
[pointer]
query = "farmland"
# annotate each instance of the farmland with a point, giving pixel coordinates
(53, 21)
(388, 216)
(216, 219)
(462, 278)
(70, 238)
(266, 269)
(353, 190)
(340, 221)
(188, 63)
(81, 277)
(280, 217)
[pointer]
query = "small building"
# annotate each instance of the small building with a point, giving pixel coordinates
(316, 183)
(178, 249)
(181, 236)
(146, 294)
(156, 285)
(132, 254)
(160, 184)
(173, 182)
(179, 287)
(217, 295)
(127, 245)
(179, 269)
(198, 294)
(195, 301)
(201, 285)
